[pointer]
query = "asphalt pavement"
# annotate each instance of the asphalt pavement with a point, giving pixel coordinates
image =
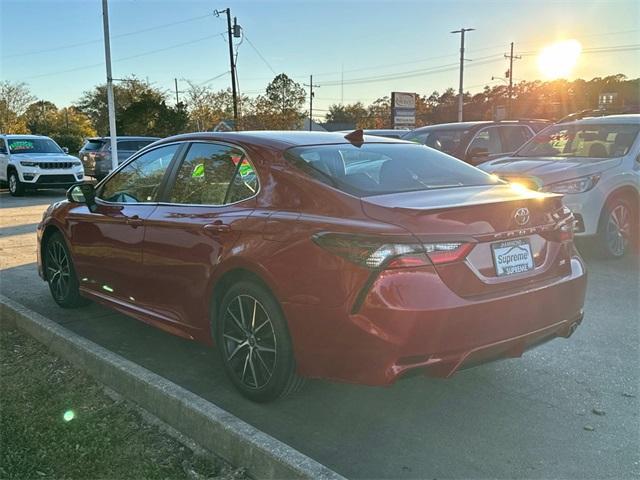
(568, 409)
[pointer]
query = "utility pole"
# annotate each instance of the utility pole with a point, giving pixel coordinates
(510, 77)
(311, 86)
(231, 33)
(177, 95)
(110, 98)
(460, 90)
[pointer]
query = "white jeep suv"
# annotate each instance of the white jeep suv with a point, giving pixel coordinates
(595, 163)
(34, 161)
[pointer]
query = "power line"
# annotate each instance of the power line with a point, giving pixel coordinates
(99, 40)
(260, 55)
(130, 57)
(415, 73)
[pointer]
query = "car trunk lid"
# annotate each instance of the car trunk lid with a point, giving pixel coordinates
(499, 220)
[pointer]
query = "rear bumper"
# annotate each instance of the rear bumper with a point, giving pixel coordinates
(437, 332)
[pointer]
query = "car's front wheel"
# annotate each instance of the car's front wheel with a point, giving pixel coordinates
(60, 273)
(254, 342)
(618, 227)
(16, 187)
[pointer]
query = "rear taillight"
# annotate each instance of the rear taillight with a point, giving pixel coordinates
(565, 225)
(380, 253)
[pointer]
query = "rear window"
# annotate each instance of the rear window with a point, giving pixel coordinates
(93, 145)
(375, 168)
(133, 145)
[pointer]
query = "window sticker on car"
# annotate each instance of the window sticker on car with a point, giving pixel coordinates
(20, 145)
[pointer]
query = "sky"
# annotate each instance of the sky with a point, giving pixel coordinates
(349, 47)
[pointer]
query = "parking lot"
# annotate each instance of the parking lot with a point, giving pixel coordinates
(567, 409)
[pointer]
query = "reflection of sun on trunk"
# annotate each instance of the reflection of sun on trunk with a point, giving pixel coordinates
(558, 60)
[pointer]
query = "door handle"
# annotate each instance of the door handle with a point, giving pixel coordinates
(217, 227)
(134, 221)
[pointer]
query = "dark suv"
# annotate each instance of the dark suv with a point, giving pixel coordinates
(477, 142)
(95, 154)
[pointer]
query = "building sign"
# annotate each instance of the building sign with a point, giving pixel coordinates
(403, 110)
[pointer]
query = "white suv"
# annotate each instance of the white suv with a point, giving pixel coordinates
(34, 161)
(595, 163)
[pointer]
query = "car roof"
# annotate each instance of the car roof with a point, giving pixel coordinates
(279, 139)
(119, 137)
(452, 126)
(25, 136)
(628, 119)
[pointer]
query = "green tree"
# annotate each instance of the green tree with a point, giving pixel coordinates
(281, 107)
(349, 113)
(150, 115)
(94, 102)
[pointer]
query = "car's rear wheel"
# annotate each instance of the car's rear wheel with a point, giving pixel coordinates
(60, 273)
(618, 228)
(254, 342)
(16, 187)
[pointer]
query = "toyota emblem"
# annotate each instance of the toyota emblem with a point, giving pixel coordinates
(522, 216)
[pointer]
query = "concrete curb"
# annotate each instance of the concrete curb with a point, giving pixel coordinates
(208, 425)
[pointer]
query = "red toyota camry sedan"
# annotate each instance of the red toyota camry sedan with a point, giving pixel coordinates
(321, 255)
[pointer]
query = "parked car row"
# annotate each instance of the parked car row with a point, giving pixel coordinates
(593, 162)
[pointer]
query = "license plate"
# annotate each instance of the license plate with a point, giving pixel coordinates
(512, 257)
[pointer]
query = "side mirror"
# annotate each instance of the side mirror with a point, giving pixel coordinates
(65, 149)
(477, 152)
(3, 151)
(84, 193)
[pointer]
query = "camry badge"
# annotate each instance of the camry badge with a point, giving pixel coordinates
(522, 216)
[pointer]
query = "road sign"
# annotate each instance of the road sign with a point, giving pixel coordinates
(403, 109)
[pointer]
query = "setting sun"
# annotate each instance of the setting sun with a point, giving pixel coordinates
(557, 60)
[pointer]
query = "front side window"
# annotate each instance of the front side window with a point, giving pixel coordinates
(139, 181)
(486, 140)
(375, 169)
(213, 174)
(513, 137)
(33, 145)
(577, 140)
(448, 141)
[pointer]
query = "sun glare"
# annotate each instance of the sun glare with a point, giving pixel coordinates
(558, 60)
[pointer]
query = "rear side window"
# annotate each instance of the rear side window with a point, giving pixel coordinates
(374, 169)
(213, 174)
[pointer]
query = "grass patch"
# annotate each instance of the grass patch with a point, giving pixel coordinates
(56, 422)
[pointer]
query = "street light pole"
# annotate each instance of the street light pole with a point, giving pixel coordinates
(461, 87)
(110, 97)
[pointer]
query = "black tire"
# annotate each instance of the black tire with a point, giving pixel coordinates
(618, 229)
(16, 187)
(256, 349)
(60, 273)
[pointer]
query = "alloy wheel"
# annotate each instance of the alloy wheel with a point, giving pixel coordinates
(13, 184)
(249, 341)
(619, 230)
(58, 269)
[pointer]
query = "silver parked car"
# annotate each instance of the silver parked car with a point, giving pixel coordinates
(95, 154)
(595, 163)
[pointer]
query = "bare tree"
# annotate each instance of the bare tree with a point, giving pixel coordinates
(14, 100)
